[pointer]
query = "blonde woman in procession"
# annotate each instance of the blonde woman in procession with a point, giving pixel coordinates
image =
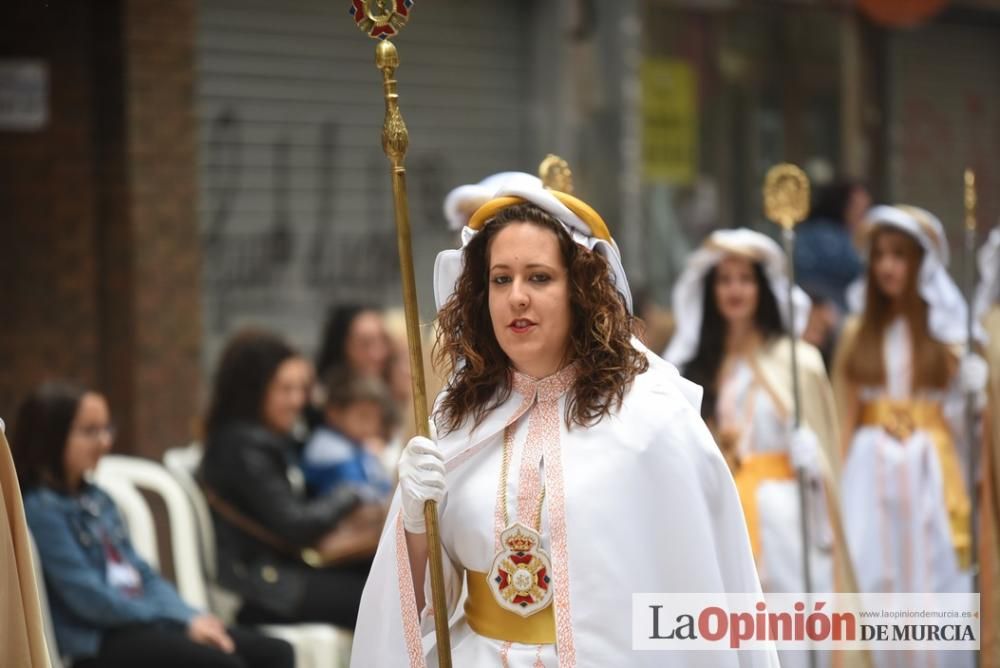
(901, 378)
(732, 313)
(988, 312)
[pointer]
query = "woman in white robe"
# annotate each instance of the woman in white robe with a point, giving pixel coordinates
(637, 499)
(988, 313)
(731, 306)
(900, 378)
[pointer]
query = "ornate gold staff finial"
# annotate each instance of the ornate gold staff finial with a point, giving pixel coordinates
(395, 136)
(385, 21)
(786, 195)
(556, 174)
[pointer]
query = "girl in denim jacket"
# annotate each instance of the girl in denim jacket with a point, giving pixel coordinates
(109, 608)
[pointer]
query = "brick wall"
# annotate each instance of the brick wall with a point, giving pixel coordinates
(48, 269)
(158, 289)
(101, 283)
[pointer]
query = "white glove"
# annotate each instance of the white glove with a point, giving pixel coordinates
(973, 374)
(803, 451)
(421, 479)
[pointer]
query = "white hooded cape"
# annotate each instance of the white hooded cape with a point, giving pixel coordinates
(650, 507)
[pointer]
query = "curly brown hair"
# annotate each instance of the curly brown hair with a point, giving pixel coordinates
(600, 340)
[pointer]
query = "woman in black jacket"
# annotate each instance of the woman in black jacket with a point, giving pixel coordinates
(262, 516)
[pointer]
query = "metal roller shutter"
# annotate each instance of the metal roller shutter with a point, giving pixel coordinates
(295, 197)
(944, 106)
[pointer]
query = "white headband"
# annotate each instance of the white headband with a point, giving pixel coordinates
(947, 309)
(919, 223)
(461, 202)
(689, 291)
(448, 265)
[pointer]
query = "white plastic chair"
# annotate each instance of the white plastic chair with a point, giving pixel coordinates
(148, 475)
(182, 463)
(316, 645)
(136, 514)
(55, 661)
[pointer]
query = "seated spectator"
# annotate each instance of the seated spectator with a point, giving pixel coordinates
(271, 537)
(345, 449)
(354, 338)
(109, 608)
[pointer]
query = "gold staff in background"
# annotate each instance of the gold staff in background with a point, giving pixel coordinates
(786, 202)
(385, 21)
(969, 201)
(556, 174)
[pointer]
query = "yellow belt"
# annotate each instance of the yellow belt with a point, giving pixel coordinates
(488, 619)
(753, 470)
(900, 419)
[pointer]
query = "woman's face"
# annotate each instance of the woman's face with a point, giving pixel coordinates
(287, 394)
(529, 298)
(736, 291)
(367, 347)
(90, 438)
(890, 262)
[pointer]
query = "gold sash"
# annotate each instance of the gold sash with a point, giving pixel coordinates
(900, 419)
(488, 619)
(753, 470)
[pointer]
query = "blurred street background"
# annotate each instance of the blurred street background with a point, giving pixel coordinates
(172, 170)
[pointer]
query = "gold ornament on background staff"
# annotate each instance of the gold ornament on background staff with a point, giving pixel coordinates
(556, 174)
(786, 202)
(969, 201)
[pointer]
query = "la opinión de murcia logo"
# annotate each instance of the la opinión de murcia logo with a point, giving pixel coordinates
(806, 621)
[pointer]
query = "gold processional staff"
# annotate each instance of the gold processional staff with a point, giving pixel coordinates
(382, 20)
(969, 202)
(786, 202)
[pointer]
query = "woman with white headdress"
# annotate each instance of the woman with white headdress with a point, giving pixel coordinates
(988, 313)
(732, 313)
(570, 463)
(901, 378)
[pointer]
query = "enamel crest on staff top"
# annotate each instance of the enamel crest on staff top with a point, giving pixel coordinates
(385, 20)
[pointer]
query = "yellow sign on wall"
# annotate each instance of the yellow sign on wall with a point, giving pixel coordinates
(669, 121)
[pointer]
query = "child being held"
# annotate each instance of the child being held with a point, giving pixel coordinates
(343, 449)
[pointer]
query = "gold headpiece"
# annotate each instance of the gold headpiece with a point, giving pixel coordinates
(555, 175)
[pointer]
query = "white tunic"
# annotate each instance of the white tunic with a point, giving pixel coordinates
(468, 536)
(894, 511)
(649, 506)
(745, 404)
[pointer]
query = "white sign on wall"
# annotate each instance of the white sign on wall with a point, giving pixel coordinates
(24, 94)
